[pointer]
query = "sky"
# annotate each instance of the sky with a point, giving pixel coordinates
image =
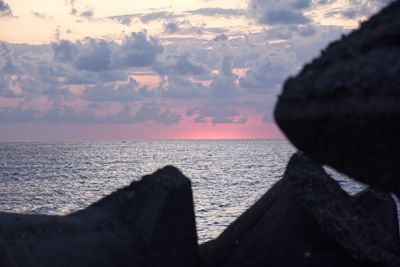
(157, 69)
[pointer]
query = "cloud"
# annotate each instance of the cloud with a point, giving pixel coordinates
(270, 71)
(360, 8)
(42, 16)
(64, 51)
(130, 91)
(220, 38)
(149, 17)
(216, 115)
(89, 54)
(185, 27)
(136, 50)
(7, 64)
(217, 75)
(279, 12)
(5, 10)
(124, 19)
(170, 27)
(179, 65)
(127, 19)
(178, 87)
(217, 12)
(282, 16)
(94, 55)
(153, 112)
(87, 13)
(81, 11)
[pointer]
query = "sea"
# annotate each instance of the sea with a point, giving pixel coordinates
(227, 176)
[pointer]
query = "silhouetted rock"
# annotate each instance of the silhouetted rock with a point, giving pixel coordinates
(382, 209)
(149, 223)
(305, 219)
(5, 256)
(343, 109)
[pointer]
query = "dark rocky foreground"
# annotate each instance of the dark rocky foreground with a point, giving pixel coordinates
(305, 219)
(343, 109)
(149, 223)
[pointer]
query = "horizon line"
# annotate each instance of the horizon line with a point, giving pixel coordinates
(140, 140)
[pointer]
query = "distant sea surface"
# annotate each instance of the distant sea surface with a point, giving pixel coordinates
(227, 176)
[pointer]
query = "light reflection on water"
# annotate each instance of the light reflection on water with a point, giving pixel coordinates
(227, 176)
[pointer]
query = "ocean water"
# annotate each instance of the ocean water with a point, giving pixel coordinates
(227, 176)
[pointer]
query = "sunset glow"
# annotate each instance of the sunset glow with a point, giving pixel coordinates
(85, 69)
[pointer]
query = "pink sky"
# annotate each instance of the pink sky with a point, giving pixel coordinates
(85, 69)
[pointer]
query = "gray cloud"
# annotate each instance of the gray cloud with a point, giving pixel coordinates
(64, 51)
(124, 19)
(136, 50)
(216, 115)
(359, 8)
(214, 79)
(147, 113)
(216, 11)
(282, 16)
(131, 91)
(149, 17)
(81, 11)
(220, 38)
(7, 64)
(89, 54)
(94, 55)
(171, 27)
(178, 87)
(180, 65)
(127, 19)
(270, 71)
(5, 10)
(41, 16)
(153, 112)
(87, 13)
